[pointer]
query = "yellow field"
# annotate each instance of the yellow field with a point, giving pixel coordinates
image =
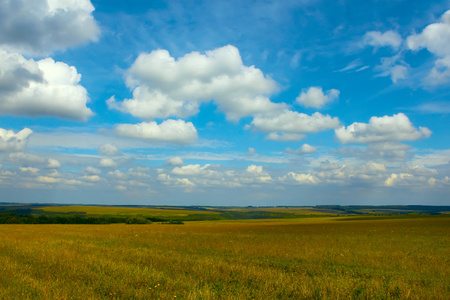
(293, 210)
(297, 259)
(117, 210)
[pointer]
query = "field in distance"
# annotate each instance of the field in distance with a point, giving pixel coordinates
(46, 213)
(303, 258)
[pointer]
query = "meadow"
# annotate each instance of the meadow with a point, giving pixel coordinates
(306, 258)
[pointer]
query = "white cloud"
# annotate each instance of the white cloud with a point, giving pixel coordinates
(53, 164)
(46, 179)
(435, 158)
(394, 67)
(214, 175)
(139, 172)
(166, 87)
(120, 188)
(315, 97)
(251, 151)
(169, 131)
(440, 73)
(370, 173)
(381, 129)
(418, 169)
(117, 174)
(29, 170)
(38, 27)
(175, 161)
(398, 72)
(167, 179)
(41, 88)
(92, 170)
(290, 122)
(108, 150)
(392, 151)
(436, 39)
(258, 175)
(373, 168)
(25, 158)
(256, 170)
(54, 173)
(14, 142)
(285, 137)
(72, 182)
(107, 163)
(399, 179)
(190, 170)
(299, 178)
(91, 178)
(353, 66)
(304, 149)
(387, 39)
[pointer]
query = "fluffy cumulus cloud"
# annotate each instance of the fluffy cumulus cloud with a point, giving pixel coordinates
(91, 178)
(39, 27)
(291, 122)
(41, 88)
(191, 170)
(399, 179)
(304, 149)
(369, 173)
(419, 169)
(215, 176)
(175, 161)
(316, 98)
(436, 39)
(107, 163)
(117, 174)
(169, 131)
(47, 179)
(164, 86)
(30, 170)
(362, 174)
(92, 171)
(14, 142)
(387, 39)
(381, 129)
(53, 164)
(108, 150)
(299, 178)
(257, 174)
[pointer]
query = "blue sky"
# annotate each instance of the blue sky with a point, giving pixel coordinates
(225, 102)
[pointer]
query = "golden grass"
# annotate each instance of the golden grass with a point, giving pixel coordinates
(296, 259)
(293, 210)
(117, 210)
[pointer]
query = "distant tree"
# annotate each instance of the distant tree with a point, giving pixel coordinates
(137, 220)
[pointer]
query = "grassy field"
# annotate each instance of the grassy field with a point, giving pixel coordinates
(118, 210)
(310, 258)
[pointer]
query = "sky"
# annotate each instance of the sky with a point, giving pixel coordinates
(225, 103)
